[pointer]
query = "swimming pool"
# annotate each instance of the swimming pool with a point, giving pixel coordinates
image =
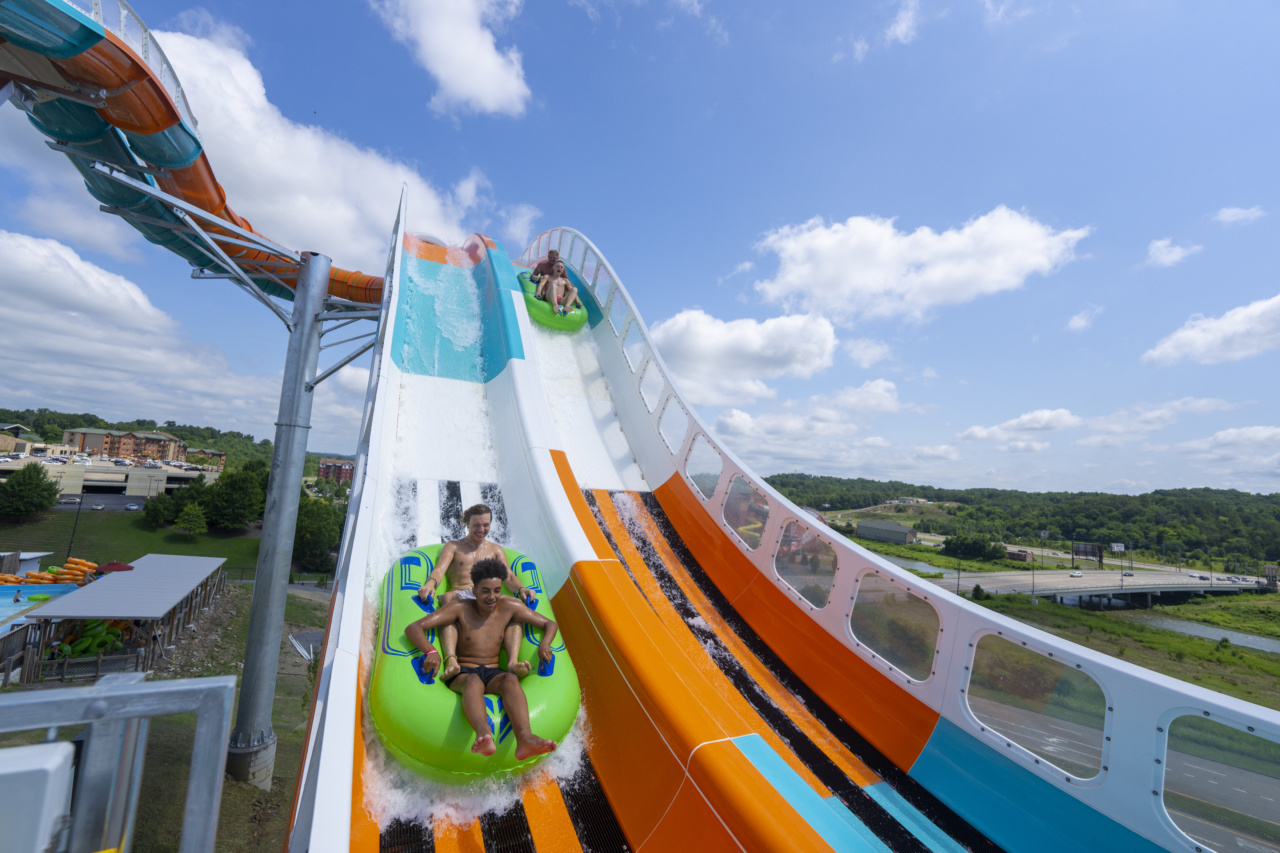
(10, 612)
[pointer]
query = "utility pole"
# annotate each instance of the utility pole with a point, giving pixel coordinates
(252, 753)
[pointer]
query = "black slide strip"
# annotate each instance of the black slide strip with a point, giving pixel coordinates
(406, 512)
(401, 837)
(924, 802)
(507, 832)
(491, 495)
(451, 509)
(589, 810)
(897, 837)
(604, 528)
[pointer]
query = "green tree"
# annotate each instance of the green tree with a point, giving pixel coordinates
(233, 500)
(27, 491)
(156, 512)
(191, 520)
(192, 492)
(318, 530)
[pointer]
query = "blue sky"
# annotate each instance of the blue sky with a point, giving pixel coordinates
(1026, 245)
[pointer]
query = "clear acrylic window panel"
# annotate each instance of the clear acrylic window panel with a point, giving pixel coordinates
(1206, 766)
(746, 511)
(1050, 709)
(574, 246)
(651, 386)
(633, 346)
(896, 624)
(589, 266)
(704, 466)
(617, 311)
(603, 283)
(673, 425)
(806, 563)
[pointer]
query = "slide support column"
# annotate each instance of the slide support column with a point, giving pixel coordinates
(252, 753)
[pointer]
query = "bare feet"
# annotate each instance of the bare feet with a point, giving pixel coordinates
(484, 745)
(520, 668)
(533, 746)
(450, 669)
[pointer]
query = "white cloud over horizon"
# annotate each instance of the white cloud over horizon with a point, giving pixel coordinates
(1240, 333)
(1162, 253)
(454, 41)
(1082, 321)
(1239, 215)
(1140, 420)
(132, 360)
(1040, 420)
(866, 267)
(725, 362)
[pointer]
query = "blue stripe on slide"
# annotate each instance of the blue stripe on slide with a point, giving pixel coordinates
(1009, 804)
(907, 815)
(858, 826)
(806, 801)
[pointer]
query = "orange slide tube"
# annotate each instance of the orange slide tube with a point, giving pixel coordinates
(663, 750)
(894, 722)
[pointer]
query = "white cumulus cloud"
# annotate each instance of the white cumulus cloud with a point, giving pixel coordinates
(903, 27)
(517, 226)
(1083, 320)
(866, 267)
(866, 351)
(724, 362)
(1022, 446)
(454, 41)
(1162, 253)
(946, 452)
(1142, 419)
(1239, 215)
(131, 360)
(299, 184)
(1239, 333)
(1041, 420)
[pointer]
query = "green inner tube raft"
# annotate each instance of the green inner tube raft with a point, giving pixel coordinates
(422, 725)
(543, 313)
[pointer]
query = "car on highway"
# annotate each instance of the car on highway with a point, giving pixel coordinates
(1054, 554)
(131, 507)
(68, 500)
(1128, 574)
(97, 506)
(1077, 574)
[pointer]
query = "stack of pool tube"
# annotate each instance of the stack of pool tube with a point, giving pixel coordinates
(75, 570)
(94, 637)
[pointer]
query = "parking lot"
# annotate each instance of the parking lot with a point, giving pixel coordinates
(110, 503)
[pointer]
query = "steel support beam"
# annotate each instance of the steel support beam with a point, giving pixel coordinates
(251, 755)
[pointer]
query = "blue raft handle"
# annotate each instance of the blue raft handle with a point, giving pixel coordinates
(427, 606)
(422, 673)
(545, 668)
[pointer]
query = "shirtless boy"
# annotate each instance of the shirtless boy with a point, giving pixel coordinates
(564, 296)
(456, 558)
(481, 624)
(540, 272)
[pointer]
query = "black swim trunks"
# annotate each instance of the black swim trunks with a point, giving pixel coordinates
(486, 673)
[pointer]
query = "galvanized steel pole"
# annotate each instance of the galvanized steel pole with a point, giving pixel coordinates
(252, 753)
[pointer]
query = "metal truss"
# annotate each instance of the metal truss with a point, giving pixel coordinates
(193, 227)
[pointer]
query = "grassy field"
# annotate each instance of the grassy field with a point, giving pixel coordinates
(1250, 614)
(105, 536)
(934, 557)
(1231, 670)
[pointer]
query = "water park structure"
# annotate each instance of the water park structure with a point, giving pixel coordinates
(749, 678)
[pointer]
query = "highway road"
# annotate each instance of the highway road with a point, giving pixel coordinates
(1049, 582)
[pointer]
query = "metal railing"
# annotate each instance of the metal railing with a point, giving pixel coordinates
(117, 710)
(1135, 707)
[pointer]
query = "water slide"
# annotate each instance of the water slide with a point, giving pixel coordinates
(751, 680)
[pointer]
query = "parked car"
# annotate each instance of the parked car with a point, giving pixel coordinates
(131, 507)
(1077, 574)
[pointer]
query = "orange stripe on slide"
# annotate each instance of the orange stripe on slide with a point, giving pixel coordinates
(425, 251)
(452, 838)
(689, 643)
(365, 837)
(549, 822)
(886, 714)
(586, 519)
(848, 763)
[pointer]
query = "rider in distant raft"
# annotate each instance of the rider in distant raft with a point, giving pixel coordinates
(481, 622)
(457, 558)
